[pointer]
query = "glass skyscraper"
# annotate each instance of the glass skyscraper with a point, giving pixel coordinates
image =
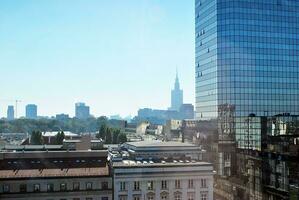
(247, 57)
(31, 111)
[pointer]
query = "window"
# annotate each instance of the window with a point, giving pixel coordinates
(104, 185)
(122, 197)
(36, 188)
(122, 186)
(164, 196)
(136, 198)
(63, 187)
(88, 186)
(191, 196)
(76, 198)
(6, 188)
(23, 188)
(136, 185)
(203, 183)
(204, 196)
(150, 197)
(50, 187)
(88, 198)
(190, 183)
(164, 185)
(177, 184)
(177, 196)
(76, 186)
(150, 185)
(104, 198)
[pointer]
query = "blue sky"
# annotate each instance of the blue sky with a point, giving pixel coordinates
(116, 55)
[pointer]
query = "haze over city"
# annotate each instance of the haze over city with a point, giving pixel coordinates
(113, 111)
(57, 53)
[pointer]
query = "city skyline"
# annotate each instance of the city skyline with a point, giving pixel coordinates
(67, 55)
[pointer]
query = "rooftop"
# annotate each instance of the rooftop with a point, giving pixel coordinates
(54, 133)
(159, 143)
(31, 147)
(41, 173)
(52, 154)
(161, 163)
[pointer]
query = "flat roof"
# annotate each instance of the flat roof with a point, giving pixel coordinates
(54, 133)
(159, 143)
(53, 154)
(58, 173)
(161, 163)
(34, 147)
(71, 141)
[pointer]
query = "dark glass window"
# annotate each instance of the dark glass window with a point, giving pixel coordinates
(6, 188)
(63, 187)
(36, 187)
(76, 186)
(88, 186)
(23, 188)
(104, 185)
(50, 187)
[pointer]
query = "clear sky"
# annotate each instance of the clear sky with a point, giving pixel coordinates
(116, 55)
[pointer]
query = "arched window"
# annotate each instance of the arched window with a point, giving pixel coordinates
(164, 196)
(177, 196)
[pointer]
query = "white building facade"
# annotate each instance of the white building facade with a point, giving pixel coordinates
(165, 180)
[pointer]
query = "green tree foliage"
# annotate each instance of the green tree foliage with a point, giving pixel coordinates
(72, 124)
(115, 134)
(107, 130)
(36, 138)
(122, 138)
(102, 132)
(108, 138)
(111, 135)
(59, 138)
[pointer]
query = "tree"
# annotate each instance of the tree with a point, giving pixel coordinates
(115, 134)
(102, 132)
(36, 138)
(59, 138)
(122, 138)
(108, 138)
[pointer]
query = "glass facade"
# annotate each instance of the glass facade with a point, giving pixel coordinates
(247, 55)
(268, 148)
(249, 132)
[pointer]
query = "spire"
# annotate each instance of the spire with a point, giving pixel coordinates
(176, 94)
(177, 82)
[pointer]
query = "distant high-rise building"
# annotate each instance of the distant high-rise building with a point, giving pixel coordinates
(62, 116)
(176, 95)
(82, 111)
(187, 111)
(10, 113)
(31, 111)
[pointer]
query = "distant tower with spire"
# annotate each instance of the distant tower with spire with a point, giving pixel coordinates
(176, 95)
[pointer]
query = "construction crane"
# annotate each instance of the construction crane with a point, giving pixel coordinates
(16, 101)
